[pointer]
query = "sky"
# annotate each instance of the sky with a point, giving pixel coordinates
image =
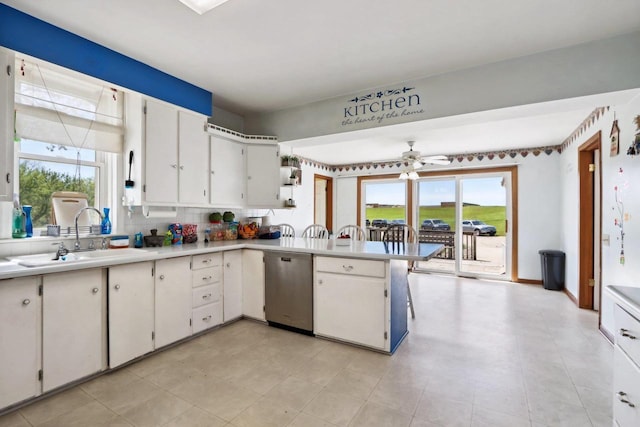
(40, 148)
(481, 191)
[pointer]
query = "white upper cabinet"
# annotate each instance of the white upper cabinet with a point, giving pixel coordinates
(176, 156)
(193, 156)
(6, 124)
(263, 176)
(227, 178)
(161, 153)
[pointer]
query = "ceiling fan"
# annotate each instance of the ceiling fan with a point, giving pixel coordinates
(416, 161)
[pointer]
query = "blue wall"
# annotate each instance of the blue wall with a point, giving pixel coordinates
(32, 36)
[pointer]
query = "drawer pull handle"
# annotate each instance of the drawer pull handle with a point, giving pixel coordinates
(206, 296)
(347, 267)
(206, 278)
(625, 333)
(621, 397)
(206, 319)
(206, 261)
(26, 301)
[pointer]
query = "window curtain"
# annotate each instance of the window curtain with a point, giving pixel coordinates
(66, 108)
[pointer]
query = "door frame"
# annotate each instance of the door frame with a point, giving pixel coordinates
(586, 265)
(328, 200)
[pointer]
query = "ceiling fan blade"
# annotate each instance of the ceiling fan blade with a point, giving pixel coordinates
(436, 160)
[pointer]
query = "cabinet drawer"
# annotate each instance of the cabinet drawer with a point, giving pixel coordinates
(206, 260)
(207, 316)
(627, 333)
(207, 294)
(626, 387)
(356, 267)
(206, 276)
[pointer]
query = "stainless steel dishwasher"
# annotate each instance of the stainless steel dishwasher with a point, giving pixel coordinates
(289, 290)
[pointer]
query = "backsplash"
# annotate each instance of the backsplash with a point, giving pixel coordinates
(137, 223)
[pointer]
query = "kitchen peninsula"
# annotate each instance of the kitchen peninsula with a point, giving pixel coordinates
(160, 296)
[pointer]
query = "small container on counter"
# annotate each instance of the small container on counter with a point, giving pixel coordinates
(231, 232)
(217, 232)
(118, 242)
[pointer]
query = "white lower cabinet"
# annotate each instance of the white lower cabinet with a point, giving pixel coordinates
(206, 296)
(172, 300)
(232, 284)
(20, 339)
(131, 312)
(253, 284)
(626, 369)
(73, 326)
(351, 307)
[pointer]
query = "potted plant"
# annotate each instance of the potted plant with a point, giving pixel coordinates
(215, 218)
(287, 160)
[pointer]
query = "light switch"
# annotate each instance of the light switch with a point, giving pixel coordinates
(606, 240)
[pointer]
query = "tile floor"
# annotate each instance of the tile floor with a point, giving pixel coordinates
(478, 354)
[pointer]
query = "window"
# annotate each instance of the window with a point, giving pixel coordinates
(68, 128)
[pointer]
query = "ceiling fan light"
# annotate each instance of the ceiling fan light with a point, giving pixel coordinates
(404, 176)
(413, 175)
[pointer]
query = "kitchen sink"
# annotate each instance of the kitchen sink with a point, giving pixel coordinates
(39, 260)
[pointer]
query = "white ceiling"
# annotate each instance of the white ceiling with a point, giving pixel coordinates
(267, 55)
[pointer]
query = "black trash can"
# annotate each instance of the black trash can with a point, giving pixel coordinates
(552, 269)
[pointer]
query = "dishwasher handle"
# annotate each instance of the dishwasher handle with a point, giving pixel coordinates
(285, 259)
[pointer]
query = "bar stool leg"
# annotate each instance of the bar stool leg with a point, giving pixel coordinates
(410, 299)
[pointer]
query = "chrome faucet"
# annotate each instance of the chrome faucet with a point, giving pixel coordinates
(61, 251)
(76, 245)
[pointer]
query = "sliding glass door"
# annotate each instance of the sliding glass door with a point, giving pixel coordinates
(484, 225)
(436, 220)
(470, 215)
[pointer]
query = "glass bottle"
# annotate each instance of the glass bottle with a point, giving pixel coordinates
(106, 222)
(28, 225)
(17, 225)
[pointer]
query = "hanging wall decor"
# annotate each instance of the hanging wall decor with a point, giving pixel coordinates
(634, 149)
(614, 136)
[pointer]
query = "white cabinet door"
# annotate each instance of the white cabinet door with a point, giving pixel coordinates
(20, 335)
(227, 183)
(131, 311)
(263, 176)
(350, 308)
(161, 153)
(7, 63)
(193, 159)
(73, 327)
(253, 284)
(232, 293)
(173, 300)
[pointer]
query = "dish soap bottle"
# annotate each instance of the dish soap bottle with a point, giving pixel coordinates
(106, 222)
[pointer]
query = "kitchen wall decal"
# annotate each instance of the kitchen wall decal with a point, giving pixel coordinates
(620, 216)
(382, 106)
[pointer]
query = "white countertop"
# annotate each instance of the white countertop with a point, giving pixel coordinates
(366, 250)
(628, 297)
